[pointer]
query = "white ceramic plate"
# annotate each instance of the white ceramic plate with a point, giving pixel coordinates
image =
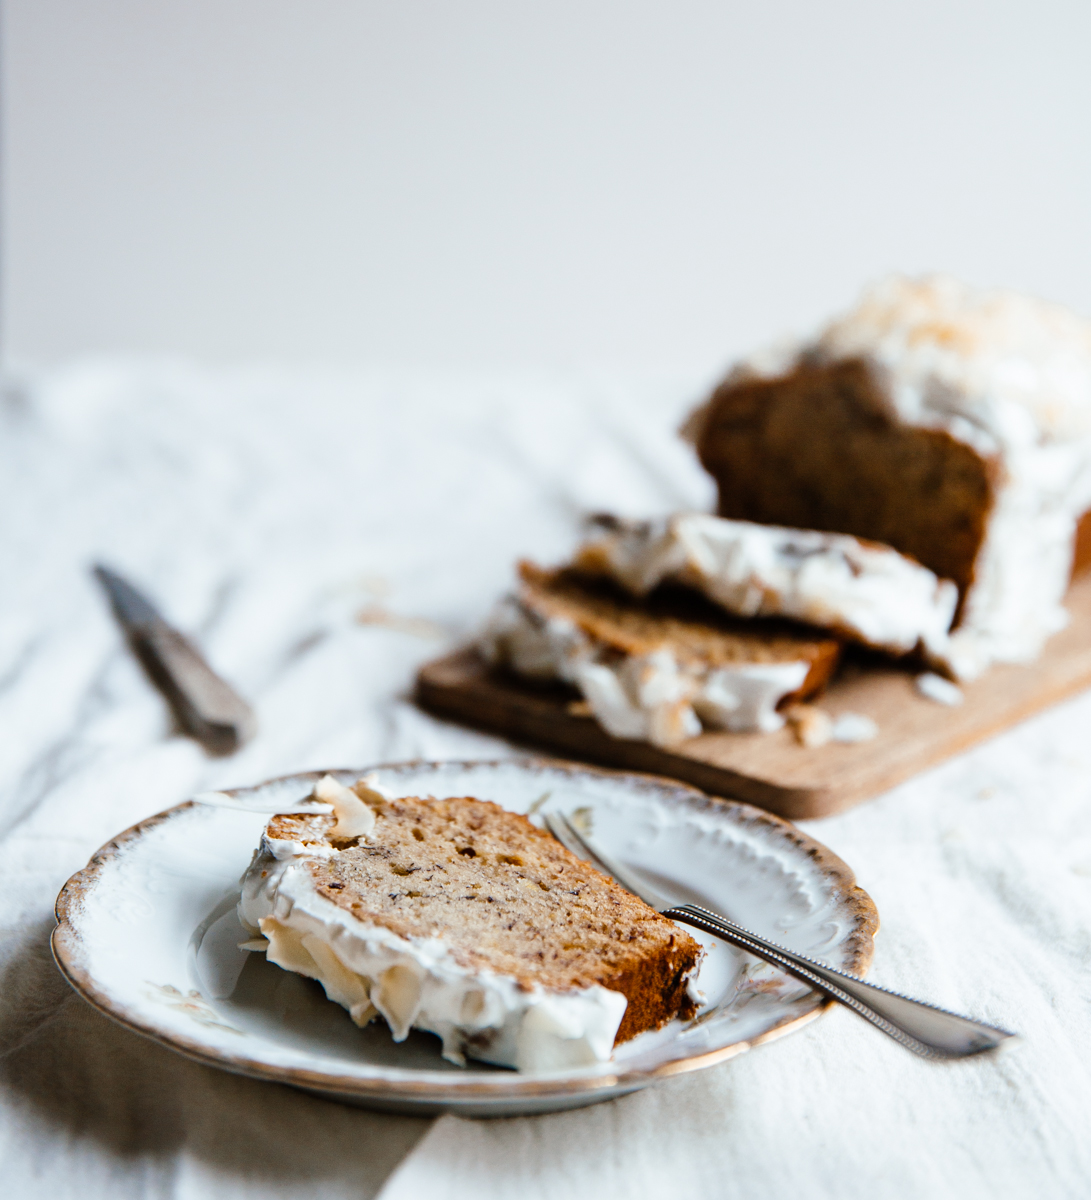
(147, 933)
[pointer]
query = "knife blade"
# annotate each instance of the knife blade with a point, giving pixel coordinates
(204, 705)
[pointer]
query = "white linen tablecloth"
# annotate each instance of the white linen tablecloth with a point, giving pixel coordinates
(265, 509)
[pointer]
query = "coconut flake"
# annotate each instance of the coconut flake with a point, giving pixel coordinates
(352, 817)
(273, 800)
(852, 727)
(941, 690)
(812, 726)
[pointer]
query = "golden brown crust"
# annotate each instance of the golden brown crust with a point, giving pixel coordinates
(693, 628)
(655, 987)
(504, 896)
(1081, 550)
(820, 449)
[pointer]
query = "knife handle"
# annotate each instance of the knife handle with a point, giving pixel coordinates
(206, 707)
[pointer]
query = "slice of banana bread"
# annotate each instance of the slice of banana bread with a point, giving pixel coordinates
(655, 668)
(462, 918)
(855, 589)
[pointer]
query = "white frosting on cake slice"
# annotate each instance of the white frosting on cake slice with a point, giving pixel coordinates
(866, 591)
(414, 982)
(651, 697)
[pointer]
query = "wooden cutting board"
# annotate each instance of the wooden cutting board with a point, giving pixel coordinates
(773, 770)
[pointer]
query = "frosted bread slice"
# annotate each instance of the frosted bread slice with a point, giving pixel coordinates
(655, 669)
(461, 918)
(859, 590)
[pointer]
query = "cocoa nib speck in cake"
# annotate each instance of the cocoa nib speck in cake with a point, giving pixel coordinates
(462, 918)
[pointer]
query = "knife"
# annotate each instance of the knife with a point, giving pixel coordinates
(205, 706)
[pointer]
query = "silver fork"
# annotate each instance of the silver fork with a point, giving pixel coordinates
(926, 1030)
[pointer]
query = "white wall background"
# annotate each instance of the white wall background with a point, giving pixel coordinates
(493, 182)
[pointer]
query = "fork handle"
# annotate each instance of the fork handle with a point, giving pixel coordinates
(928, 1031)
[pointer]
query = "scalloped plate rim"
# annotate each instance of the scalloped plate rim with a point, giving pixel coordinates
(408, 1089)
